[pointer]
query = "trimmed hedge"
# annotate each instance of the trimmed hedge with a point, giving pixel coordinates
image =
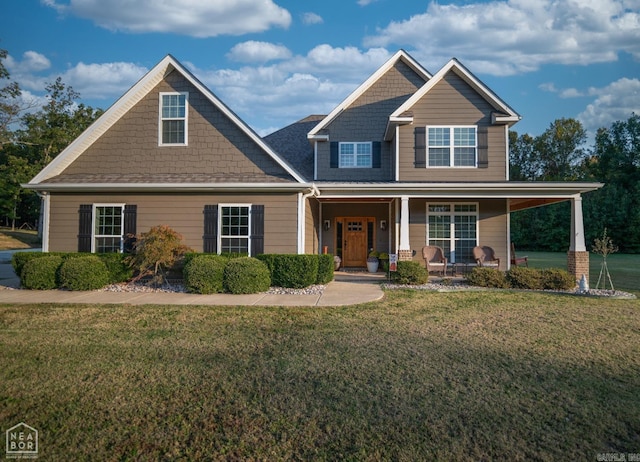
(410, 272)
(523, 278)
(291, 270)
(40, 273)
(246, 275)
(83, 273)
(488, 277)
(557, 279)
(204, 273)
(520, 277)
(325, 269)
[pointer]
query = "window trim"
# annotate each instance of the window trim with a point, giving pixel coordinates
(220, 217)
(94, 215)
(185, 118)
(452, 213)
(451, 146)
(355, 154)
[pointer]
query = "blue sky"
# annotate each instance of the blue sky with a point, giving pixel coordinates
(276, 61)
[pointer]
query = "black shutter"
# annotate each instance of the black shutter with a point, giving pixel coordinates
(257, 230)
(483, 147)
(376, 148)
(210, 237)
(420, 146)
(130, 219)
(84, 227)
(333, 161)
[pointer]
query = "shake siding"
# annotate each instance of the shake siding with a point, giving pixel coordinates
(366, 120)
(453, 102)
(216, 146)
(183, 213)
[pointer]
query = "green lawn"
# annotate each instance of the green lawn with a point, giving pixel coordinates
(624, 269)
(417, 376)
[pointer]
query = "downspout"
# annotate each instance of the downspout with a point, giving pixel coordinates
(45, 201)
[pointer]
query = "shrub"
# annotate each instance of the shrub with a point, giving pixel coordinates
(83, 273)
(246, 275)
(410, 272)
(41, 273)
(524, 278)
(116, 263)
(204, 274)
(557, 279)
(488, 277)
(325, 269)
(19, 259)
(293, 271)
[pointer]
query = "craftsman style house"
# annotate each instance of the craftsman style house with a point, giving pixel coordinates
(408, 159)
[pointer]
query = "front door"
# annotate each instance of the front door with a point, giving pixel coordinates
(354, 243)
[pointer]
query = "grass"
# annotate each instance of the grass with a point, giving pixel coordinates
(418, 376)
(18, 239)
(624, 268)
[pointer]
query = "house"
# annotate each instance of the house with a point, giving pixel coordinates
(409, 158)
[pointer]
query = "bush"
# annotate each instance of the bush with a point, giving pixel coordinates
(524, 278)
(116, 263)
(204, 274)
(246, 275)
(19, 259)
(557, 279)
(410, 272)
(292, 271)
(488, 277)
(325, 269)
(83, 273)
(41, 273)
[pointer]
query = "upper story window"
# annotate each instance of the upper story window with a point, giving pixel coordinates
(173, 119)
(451, 146)
(355, 155)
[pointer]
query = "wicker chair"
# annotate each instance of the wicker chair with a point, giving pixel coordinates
(434, 259)
(485, 256)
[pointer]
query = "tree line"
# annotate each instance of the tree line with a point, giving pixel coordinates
(31, 137)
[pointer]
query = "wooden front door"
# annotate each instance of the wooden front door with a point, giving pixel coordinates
(354, 243)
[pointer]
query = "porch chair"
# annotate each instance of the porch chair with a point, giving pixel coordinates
(485, 256)
(515, 261)
(434, 259)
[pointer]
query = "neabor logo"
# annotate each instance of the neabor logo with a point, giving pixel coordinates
(22, 442)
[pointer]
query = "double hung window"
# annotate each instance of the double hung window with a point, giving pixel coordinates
(173, 118)
(454, 228)
(355, 155)
(235, 228)
(108, 228)
(451, 146)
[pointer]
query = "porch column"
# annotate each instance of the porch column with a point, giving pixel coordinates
(577, 257)
(404, 250)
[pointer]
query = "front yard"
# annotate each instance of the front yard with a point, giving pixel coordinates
(418, 376)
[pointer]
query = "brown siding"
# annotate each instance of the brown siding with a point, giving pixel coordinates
(366, 120)
(216, 146)
(183, 213)
(312, 211)
(453, 102)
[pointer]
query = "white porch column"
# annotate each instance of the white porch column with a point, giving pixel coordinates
(577, 225)
(404, 250)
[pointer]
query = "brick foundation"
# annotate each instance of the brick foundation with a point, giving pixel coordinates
(578, 264)
(405, 255)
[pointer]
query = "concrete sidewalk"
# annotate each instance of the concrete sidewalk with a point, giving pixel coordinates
(346, 289)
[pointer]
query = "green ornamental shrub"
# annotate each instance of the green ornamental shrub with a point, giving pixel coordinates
(41, 273)
(119, 270)
(291, 270)
(325, 269)
(83, 273)
(19, 259)
(410, 272)
(246, 275)
(520, 277)
(204, 274)
(557, 279)
(488, 277)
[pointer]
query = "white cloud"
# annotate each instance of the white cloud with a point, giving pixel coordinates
(311, 18)
(365, 2)
(258, 52)
(105, 80)
(196, 18)
(571, 93)
(31, 62)
(614, 102)
(517, 36)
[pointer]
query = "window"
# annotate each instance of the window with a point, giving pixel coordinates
(451, 146)
(454, 227)
(234, 229)
(108, 228)
(355, 155)
(173, 118)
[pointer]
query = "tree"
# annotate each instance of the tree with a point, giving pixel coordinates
(9, 103)
(560, 150)
(522, 158)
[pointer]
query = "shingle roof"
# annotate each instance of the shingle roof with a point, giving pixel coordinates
(291, 143)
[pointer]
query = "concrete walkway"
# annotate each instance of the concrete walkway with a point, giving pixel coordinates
(346, 289)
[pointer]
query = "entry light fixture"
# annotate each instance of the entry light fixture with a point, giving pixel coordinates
(383, 224)
(327, 225)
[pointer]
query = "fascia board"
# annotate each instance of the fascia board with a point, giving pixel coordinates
(170, 187)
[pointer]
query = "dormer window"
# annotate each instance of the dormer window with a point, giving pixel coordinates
(355, 155)
(173, 119)
(451, 146)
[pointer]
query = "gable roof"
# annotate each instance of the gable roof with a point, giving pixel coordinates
(133, 96)
(504, 113)
(382, 70)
